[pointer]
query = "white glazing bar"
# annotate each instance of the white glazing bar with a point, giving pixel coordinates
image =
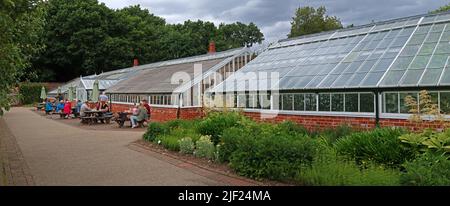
(443, 71)
(395, 59)
(340, 62)
(431, 57)
(415, 56)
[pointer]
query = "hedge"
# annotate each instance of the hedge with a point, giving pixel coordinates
(30, 92)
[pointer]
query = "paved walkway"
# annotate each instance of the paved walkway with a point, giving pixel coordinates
(59, 154)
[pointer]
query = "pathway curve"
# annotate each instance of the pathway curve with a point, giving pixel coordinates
(59, 154)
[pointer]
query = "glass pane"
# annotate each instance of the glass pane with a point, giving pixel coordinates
(403, 107)
(402, 63)
(383, 65)
(443, 47)
(367, 65)
(412, 77)
(372, 79)
(324, 102)
(310, 102)
(299, 104)
(391, 103)
(431, 77)
(353, 67)
(392, 77)
(356, 80)
(337, 102)
(366, 102)
(420, 62)
(446, 76)
(342, 80)
(329, 80)
(287, 102)
(410, 50)
(351, 102)
(438, 61)
(417, 39)
(433, 37)
(427, 49)
(445, 102)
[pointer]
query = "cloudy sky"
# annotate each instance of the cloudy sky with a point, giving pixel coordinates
(273, 16)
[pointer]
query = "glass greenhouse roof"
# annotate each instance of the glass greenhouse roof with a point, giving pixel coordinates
(412, 51)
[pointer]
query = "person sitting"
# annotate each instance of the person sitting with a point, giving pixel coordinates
(141, 114)
(103, 107)
(78, 106)
(147, 106)
(84, 107)
(48, 106)
(67, 109)
(60, 106)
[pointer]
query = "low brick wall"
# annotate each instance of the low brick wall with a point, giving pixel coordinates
(317, 122)
(311, 122)
(163, 114)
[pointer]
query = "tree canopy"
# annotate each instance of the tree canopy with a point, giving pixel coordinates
(84, 37)
(308, 20)
(20, 26)
(442, 9)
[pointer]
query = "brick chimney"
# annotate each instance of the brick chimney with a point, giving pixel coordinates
(212, 47)
(135, 62)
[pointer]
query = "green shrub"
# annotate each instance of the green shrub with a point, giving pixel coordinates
(180, 123)
(169, 142)
(187, 146)
(380, 146)
(30, 92)
(231, 140)
(273, 156)
(330, 170)
(428, 140)
(429, 169)
(205, 148)
(292, 128)
(154, 130)
(333, 134)
(216, 122)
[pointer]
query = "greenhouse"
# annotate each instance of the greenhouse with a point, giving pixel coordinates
(359, 75)
(175, 84)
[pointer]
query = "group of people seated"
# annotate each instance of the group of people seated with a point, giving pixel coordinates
(62, 107)
(140, 113)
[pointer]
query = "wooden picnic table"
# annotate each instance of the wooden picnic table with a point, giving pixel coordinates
(123, 117)
(94, 116)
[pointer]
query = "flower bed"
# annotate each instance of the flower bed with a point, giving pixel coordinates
(287, 152)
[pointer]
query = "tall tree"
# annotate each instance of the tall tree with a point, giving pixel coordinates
(20, 24)
(442, 9)
(238, 35)
(308, 20)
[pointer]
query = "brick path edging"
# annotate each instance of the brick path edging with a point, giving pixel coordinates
(194, 167)
(13, 166)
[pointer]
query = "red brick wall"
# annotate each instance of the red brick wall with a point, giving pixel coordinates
(163, 114)
(410, 125)
(318, 122)
(321, 122)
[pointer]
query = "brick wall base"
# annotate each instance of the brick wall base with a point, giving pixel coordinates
(163, 114)
(361, 123)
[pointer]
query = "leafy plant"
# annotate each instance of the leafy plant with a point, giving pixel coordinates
(331, 170)
(215, 123)
(205, 148)
(428, 140)
(169, 142)
(273, 156)
(333, 134)
(430, 169)
(30, 92)
(380, 146)
(187, 146)
(154, 130)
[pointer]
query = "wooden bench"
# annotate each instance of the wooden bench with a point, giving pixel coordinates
(88, 120)
(106, 118)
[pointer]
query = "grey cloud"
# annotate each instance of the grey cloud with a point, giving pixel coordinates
(273, 17)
